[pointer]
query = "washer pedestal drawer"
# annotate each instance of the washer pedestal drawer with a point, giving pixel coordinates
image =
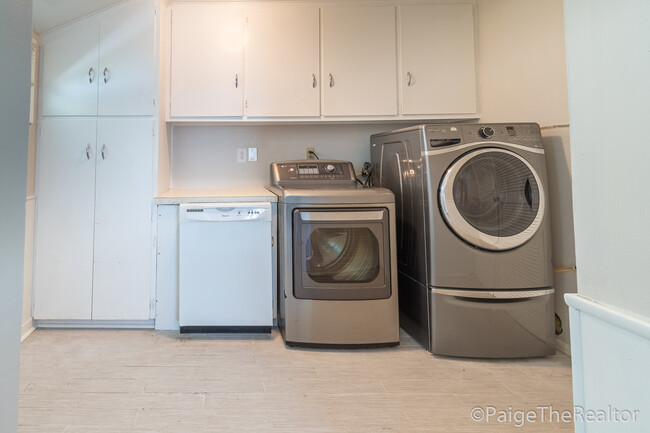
(482, 326)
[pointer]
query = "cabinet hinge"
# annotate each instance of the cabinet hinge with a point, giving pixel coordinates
(246, 104)
(272, 241)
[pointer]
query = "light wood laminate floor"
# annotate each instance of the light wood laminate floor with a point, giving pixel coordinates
(145, 381)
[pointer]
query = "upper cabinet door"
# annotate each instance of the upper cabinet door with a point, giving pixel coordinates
(70, 73)
(359, 61)
(442, 78)
(207, 60)
(282, 74)
(126, 61)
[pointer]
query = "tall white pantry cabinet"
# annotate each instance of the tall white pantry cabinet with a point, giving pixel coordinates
(95, 169)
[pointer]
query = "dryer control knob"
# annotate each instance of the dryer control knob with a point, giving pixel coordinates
(330, 168)
(486, 132)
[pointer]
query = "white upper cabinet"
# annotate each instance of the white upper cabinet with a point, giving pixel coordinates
(207, 60)
(359, 61)
(126, 62)
(272, 60)
(103, 67)
(438, 59)
(282, 59)
(70, 73)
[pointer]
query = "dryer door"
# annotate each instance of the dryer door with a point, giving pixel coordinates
(492, 199)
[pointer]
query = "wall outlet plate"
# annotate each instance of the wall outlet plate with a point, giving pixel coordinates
(308, 153)
(241, 154)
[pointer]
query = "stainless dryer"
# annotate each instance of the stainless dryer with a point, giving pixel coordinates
(473, 236)
(337, 267)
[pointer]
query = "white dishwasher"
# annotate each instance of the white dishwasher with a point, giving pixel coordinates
(225, 267)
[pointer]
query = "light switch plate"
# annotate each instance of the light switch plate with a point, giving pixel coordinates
(252, 154)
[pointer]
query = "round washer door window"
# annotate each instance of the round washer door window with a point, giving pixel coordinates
(492, 199)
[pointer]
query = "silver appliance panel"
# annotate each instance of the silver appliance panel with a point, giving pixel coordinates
(314, 322)
(333, 206)
(412, 163)
(512, 324)
(313, 173)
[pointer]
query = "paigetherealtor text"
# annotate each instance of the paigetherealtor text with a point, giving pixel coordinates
(549, 414)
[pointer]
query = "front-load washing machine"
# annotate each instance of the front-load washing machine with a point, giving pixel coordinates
(337, 271)
(473, 236)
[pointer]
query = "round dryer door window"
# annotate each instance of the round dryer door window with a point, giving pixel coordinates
(492, 199)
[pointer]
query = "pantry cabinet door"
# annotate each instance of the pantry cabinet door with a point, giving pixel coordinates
(70, 73)
(359, 61)
(65, 199)
(126, 61)
(442, 79)
(282, 61)
(123, 241)
(207, 60)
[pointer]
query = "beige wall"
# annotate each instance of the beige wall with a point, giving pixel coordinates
(522, 77)
(608, 52)
(15, 34)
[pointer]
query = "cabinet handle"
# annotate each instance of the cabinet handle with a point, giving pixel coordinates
(408, 75)
(103, 151)
(105, 75)
(91, 75)
(236, 81)
(88, 151)
(331, 81)
(313, 81)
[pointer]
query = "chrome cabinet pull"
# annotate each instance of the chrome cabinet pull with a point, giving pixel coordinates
(236, 81)
(88, 151)
(331, 81)
(408, 75)
(103, 151)
(313, 81)
(105, 75)
(91, 75)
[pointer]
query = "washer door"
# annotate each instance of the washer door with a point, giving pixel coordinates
(492, 199)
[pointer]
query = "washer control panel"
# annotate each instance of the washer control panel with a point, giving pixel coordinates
(312, 173)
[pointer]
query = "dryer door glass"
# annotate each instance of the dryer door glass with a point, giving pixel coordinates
(341, 254)
(492, 199)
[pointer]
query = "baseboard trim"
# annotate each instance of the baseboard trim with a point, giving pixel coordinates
(26, 330)
(96, 324)
(563, 347)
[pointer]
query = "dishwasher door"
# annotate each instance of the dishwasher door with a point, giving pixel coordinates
(225, 267)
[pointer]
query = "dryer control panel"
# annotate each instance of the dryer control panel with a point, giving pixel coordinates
(310, 173)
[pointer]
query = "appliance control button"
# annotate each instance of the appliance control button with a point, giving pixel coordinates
(486, 132)
(329, 168)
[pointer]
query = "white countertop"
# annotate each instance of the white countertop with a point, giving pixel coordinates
(206, 195)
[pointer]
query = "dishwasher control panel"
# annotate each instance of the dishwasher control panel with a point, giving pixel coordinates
(224, 212)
